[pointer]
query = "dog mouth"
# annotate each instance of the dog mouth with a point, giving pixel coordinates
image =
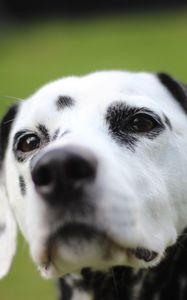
(81, 234)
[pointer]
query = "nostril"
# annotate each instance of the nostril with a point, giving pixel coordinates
(42, 176)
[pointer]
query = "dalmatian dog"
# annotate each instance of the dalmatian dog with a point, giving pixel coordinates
(94, 169)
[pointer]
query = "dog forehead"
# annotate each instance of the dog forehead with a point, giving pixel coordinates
(96, 91)
(100, 86)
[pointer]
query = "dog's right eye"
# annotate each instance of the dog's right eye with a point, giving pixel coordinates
(28, 143)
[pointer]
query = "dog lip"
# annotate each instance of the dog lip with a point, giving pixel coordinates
(46, 258)
(88, 232)
(80, 231)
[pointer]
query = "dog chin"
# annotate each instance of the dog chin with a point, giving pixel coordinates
(71, 262)
(70, 249)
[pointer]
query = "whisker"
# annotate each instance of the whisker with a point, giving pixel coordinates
(9, 121)
(12, 97)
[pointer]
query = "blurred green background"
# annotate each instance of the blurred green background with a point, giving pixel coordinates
(33, 53)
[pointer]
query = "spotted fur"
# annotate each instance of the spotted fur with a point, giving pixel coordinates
(120, 234)
(166, 281)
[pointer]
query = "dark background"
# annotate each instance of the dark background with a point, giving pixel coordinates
(34, 8)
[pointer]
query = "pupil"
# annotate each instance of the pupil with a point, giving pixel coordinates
(142, 124)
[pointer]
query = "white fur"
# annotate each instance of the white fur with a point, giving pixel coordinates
(140, 196)
(8, 234)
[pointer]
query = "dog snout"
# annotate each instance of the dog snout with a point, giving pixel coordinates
(62, 174)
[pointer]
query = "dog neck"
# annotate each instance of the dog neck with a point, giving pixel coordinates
(166, 281)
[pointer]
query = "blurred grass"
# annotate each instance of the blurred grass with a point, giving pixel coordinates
(32, 54)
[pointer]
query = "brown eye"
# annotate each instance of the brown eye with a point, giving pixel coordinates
(143, 123)
(28, 143)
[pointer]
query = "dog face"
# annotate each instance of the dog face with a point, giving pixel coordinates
(95, 170)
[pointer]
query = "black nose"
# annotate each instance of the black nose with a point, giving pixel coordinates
(62, 174)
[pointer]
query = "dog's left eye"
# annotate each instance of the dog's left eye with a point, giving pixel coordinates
(28, 143)
(143, 123)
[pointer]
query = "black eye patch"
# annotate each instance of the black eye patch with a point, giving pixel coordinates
(127, 124)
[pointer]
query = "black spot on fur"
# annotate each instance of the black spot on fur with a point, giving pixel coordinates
(167, 121)
(56, 134)
(64, 133)
(118, 118)
(177, 89)
(65, 290)
(168, 280)
(2, 228)
(64, 101)
(44, 131)
(5, 128)
(22, 185)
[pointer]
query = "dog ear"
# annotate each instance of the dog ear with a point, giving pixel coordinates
(8, 231)
(176, 88)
